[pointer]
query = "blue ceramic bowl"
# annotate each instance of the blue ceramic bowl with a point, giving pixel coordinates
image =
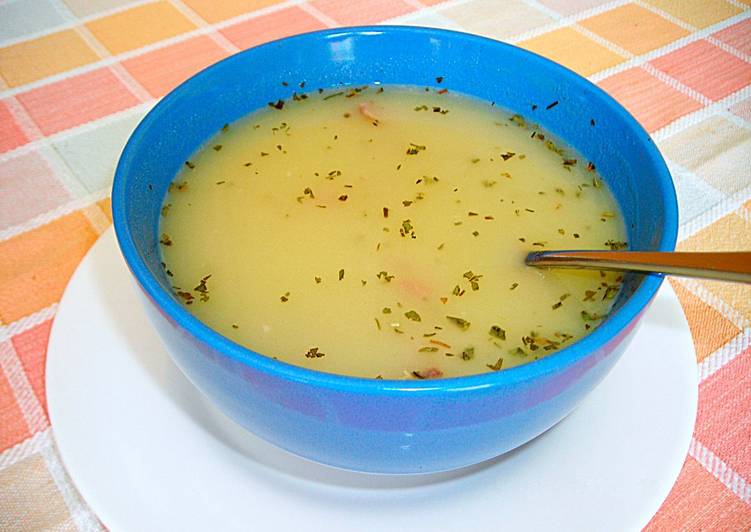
(381, 425)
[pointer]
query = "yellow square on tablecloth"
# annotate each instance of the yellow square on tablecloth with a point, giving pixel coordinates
(572, 49)
(29, 61)
(139, 26)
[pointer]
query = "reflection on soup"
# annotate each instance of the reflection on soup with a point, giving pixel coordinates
(381, 232)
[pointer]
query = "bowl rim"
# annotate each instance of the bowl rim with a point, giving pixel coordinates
(547, 365)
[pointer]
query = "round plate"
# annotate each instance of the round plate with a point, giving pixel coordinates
(148, 452)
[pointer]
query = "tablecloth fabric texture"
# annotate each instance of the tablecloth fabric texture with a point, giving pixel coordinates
(76, 76)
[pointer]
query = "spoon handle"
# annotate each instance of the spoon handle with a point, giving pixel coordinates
(724, 266)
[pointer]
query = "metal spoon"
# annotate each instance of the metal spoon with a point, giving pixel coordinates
(723, 266)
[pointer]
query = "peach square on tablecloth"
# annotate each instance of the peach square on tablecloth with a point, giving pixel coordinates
(163, 69)
(31, 348)
(699, 502)
(699, 13)
(217, 10)
(715, 149)
(28, 188)
(77, 100)
(483, 17)
(634, 28)
(573, 50)
(35, 59)
(569, 7)
(652, 102)
(343, 12)
(11, 134)
(139, 26)
(724, 409)
(706, 68)
(35, 266)
(271, 26)
(23, 485)
(742, 109)
(14, 426)
(737, 35)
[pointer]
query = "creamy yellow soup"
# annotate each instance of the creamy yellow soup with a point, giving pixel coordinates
(381, 232)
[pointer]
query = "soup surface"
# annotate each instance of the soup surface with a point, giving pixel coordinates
(381, 232)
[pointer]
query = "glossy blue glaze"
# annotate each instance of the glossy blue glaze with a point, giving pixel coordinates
(380, 425)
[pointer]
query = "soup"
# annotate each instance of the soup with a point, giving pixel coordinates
(381, 232)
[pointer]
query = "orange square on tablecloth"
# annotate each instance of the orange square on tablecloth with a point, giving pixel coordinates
(139, 26)
(29, 61)
(35, 266)
(729, 233)
(15, 428)
(573, 50)
(11, 135)
(652, 102)
(634, 28)
(31, 348)
(706, 68)
(700, 502)
(709, 328)
(77, 100)
(216, 10)
(699, 13)
(738, 36)
(345, 13)
(269, 27)
(723, 422)
(106, 206)
(162, 70)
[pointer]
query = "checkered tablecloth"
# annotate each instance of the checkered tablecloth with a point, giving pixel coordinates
(76, 76)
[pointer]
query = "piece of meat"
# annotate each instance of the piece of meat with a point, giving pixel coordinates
(367, 110)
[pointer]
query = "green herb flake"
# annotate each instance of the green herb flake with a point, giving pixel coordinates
(165, 240)
(427, 349)
(497, 332)
(508, 155)
(341, 274)
(190, 165)
(497, 366)
(414, 149)
(412, 315)
(386, 310)
(468, 353)
(313, 352)
(616, 245)
(383, 275)
(586, 316)
(285, 297)
(557, 305)
(519, 120)
(460, 322)
(513, 286)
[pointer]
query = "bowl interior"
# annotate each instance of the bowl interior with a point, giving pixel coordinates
(514, 79)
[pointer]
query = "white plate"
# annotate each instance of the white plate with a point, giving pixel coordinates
(148, 452)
